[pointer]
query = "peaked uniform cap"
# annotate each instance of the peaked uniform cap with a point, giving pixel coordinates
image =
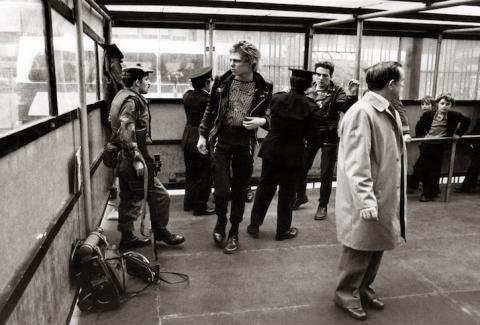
(112, 50)
(202, 73)
(301, 73)
(135, 71)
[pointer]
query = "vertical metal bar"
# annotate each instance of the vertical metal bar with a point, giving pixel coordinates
(49, 51)
(98, 66)
(359, 48)
(87, 200)
(108, 32)
(399, 53)
(211, 26)
(307, 55)
(437, 64)
(450, 171)
(478, 77)
(205, 46)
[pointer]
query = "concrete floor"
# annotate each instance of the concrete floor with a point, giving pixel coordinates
(433, 279)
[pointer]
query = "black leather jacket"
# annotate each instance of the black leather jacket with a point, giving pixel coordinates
(453, 120)
(335, 102)
(215, 113)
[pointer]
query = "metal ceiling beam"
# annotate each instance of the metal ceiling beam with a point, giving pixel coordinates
(462, 30)
(155, 18)
(283, 7)
(390, 13)
(100, 11)
(240, 5)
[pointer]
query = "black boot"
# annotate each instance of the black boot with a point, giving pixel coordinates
(169, 238)
(219, 232)
(129, 241)
(232, 245)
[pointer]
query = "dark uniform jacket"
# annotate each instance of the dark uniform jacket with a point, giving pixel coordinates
(130, 121)
(195, 102)
(453, 119)
(216, 111)
(291, 118)
(327, 117)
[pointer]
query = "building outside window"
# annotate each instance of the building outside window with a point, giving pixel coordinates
(22, 53)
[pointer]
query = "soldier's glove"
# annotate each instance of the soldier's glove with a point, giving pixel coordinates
(138, 164)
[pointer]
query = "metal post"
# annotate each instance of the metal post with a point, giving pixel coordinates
(450, 171)
(307, 57)
(87, 200)
(108, 32)
(211, 26)
(359, 49)
(437, 65)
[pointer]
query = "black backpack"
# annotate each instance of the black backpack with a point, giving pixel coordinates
(100, 273)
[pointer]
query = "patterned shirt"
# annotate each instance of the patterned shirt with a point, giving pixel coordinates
(240, 100)
(439, 126)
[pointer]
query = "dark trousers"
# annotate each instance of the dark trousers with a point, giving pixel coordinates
(431, 155)
(470, 181)
(232, 168)
(327, 168)
(356, 272)
(420, 170)
(198, 181)
(132, 195)
(273, 174)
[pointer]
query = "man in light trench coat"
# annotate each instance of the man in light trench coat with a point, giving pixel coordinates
(370, 203)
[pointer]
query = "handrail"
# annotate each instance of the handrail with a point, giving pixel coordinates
(452, 156)
(470, 136)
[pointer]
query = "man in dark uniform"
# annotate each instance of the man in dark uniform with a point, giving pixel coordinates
(332, 100)
(238, 106)
(282, 152)
(198, 176)
(112, 72)
(130, 121)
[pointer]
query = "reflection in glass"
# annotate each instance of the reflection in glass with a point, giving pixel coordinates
(22, 54)
(171, 53)
(90, 66)
(65, 47)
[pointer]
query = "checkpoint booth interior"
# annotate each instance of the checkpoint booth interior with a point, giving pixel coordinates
(40, 121)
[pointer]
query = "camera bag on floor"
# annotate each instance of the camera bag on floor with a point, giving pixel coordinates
(100, 273)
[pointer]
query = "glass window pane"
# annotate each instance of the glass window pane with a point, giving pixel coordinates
(171, 53)
(459, 69)
(90, 67)
(101, 55)
(65, 53)
(279, 51)
(23, 72)
(92, 18)
(339, 49)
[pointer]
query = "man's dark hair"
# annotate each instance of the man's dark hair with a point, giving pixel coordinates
(448, 98)
(300, 84)
(326, 65)
(128, 82)
(380, 74)
(199, 84)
